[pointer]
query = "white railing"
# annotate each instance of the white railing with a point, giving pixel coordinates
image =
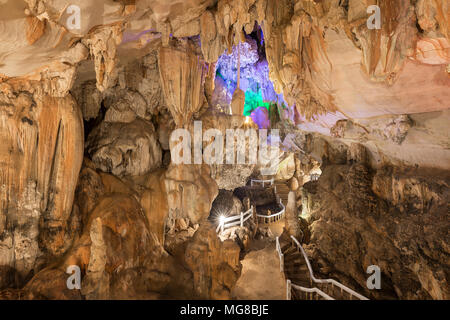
(273, 217)
(311, 291)
(314, 177)
(280, 254)
(326, 281)
(288, 289)
(263, 182)
(236, 220)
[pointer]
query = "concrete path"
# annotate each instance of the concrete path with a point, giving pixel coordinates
(261, 277)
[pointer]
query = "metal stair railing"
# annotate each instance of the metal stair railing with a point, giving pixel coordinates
(235, 220)
(316, 292)
(290, 286)
(273, 217)
(263, 182)
(280, 254)
(333, 282)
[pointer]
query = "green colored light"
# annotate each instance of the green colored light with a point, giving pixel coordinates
(254, 100)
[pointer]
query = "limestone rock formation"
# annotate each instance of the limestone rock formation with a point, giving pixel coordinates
(41, 154)
(360, 99)
(139, 79)
(397, 26)
(108, 272)
(388, 128)
(102, 42)
(126, 107)
(119, 255)
(352, 228)
(125, 148)
(357, 153)
(235, 174)
(155, 204)
(190, 192)
(182, 77)
(292, 217)
(226, 204)
(89, 98)
(286, 168)
(215, 273)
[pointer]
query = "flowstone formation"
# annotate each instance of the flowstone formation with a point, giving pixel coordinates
(96, 101)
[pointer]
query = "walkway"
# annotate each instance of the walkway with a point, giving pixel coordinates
(260, 264)
(257, 267)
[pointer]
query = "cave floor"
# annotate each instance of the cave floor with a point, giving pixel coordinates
(261, 278)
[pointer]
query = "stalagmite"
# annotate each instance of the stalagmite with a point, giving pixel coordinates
(129, 171)
(292, 217)
(238, 100)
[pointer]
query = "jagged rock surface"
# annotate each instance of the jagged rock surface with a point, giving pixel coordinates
(40, 158)
(216, 273)
(124, 148)
(376, 102)
(357, 220)
(190, 192)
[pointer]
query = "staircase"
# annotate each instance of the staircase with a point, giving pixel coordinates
(282, 190)
(302, 285)
(296, 270)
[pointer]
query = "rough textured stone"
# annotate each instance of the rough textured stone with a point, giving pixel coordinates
(125, 148)
(216, 273)
(369, 108)
(182, 74)
(352, 227)
(292, 217)
(40, 158)
(190, 192)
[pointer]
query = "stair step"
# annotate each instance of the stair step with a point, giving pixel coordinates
(290, 250)
(304, 282)
(294, 264)
(301, 283)
(295, 255)
(297, 264)
(294, 278)
(295, 268)
(296, 273)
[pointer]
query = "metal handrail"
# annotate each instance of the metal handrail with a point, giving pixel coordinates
(332, 281)
(289, 284)
(280, 254)
(312, 290)
(275, 214)
(271, 181)
(239, 220)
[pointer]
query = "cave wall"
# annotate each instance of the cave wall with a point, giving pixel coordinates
(41, 154)
(393, 217)
(114, 90)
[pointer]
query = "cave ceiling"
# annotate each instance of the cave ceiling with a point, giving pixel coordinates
(321, 55)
